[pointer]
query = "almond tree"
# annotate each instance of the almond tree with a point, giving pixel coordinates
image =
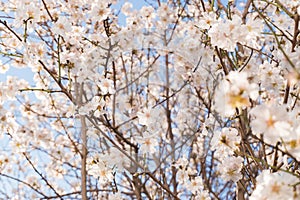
(187, 99)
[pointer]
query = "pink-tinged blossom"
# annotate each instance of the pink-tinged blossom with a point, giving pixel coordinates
(27, 10)
(292, 141)
(148, 116)
(93, 105)
(100, 11)
(271, 121)
(283, 22)
(106, 86)
(270, 76)
(126, 8)
(226, 33)
(62, 26)
(207, 20)
(203, 195)
(3, 68)
(225, 142)
(4, 160)
(115, 196)
(19, 145)
(100, 170)
(12, 86)
(253, 27)
(184, 172)
(196, 185)
(234, 92)
(230, 168)
(277, 185)
(181, 163)
(182, 176)
(148, 142)
(114, 159)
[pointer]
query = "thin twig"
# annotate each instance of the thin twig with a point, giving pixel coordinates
(45, 6)
(12, 31)
(41, 175)
(23, 182)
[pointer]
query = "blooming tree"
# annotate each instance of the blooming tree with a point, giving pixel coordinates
(187, 99)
